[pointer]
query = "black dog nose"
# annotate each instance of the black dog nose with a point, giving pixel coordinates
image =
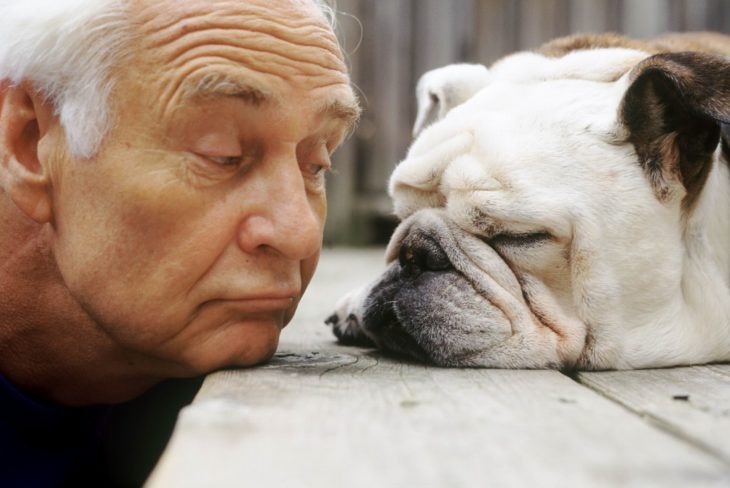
(420, 253)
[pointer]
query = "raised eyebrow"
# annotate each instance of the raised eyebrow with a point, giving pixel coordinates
(346, 111)
(217, 85)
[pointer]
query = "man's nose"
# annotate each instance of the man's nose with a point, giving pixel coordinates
(290, 221)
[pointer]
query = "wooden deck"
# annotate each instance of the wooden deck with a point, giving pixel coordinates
(322, 415)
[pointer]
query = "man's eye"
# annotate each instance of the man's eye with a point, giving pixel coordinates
(226, 160)
(315, 169)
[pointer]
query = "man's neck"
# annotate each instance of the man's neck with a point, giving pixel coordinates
(49, 346)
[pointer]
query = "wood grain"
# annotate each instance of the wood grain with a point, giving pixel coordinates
(692, 403)
(353, 418)
(323, 415)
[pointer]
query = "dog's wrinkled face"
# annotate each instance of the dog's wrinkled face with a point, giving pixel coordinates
(537, 233)
(448, 296)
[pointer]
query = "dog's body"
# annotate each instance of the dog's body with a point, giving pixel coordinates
(569, 208)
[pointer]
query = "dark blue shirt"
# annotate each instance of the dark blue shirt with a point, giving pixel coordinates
(44, 445)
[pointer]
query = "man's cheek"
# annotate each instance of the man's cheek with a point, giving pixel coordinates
(307, 269)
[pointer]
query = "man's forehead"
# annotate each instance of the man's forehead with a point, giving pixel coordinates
(253, 50)
(292, 33)
(183, 6)
(158, 15)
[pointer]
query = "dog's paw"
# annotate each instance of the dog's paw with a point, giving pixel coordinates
(345, 321)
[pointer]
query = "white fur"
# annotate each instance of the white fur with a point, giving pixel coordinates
(541, 148)
(627, 280)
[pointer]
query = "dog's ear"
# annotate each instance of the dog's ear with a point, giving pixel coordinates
(674, 110)
(442, 89)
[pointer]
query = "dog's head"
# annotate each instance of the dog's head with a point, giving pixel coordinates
(552, 218)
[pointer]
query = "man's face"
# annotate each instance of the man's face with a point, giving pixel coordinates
(192, 234)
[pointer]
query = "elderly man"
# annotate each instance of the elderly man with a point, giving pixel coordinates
(163, 194)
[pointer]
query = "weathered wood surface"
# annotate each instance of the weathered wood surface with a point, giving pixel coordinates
(323, 415)
(692, 403)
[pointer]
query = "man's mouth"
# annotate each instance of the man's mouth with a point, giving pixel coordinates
(252, 306)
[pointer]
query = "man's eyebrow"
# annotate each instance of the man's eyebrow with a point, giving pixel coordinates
(220, 85)
(347, 111)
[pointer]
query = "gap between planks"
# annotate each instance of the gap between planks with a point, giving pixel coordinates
(691, 403)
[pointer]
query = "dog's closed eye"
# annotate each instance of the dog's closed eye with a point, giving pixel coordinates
(528, 239)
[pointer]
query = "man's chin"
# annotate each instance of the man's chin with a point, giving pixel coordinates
(289, 314)
(241, 344)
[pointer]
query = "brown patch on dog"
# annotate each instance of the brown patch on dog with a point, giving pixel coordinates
(707, 42)
(564, 45)
(673, 110)
(589, 359)
(725, 134)
(704, 42)
(677, 106)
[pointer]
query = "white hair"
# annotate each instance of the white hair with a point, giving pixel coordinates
(66, 49)
(329, 9)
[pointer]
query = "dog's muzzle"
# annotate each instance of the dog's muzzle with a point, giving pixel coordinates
(426, 309)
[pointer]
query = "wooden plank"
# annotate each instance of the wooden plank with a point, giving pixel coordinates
(716, 15)
(697, 15)
(594, 16)
(441, 33)
(324, 415)
(541, 21)
(691, 403)
(342, 183)
(646, 18)
(390, 40)
(353, 418)
(497, 29)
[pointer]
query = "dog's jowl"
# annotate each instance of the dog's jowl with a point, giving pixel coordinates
(568, 207)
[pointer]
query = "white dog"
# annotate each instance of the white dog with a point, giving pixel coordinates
(568, 207)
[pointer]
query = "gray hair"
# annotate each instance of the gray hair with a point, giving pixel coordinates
(329, 9)
(67, 48)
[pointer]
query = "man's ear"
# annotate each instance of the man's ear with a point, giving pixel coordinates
(674, 109)
(24, 119)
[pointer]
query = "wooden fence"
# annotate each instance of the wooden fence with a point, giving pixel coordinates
(390, 43)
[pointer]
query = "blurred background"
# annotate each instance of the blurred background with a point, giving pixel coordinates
(390, 43)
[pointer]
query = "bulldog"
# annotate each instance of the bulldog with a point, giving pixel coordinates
(563, 208)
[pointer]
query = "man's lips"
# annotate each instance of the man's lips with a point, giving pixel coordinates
(259, 304)
(254, 305)
(229, 302)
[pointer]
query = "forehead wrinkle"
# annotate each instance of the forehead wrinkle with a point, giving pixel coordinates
(304, 36)
(189, 29)
(285, 40)
(254, 57)
(201, 53)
